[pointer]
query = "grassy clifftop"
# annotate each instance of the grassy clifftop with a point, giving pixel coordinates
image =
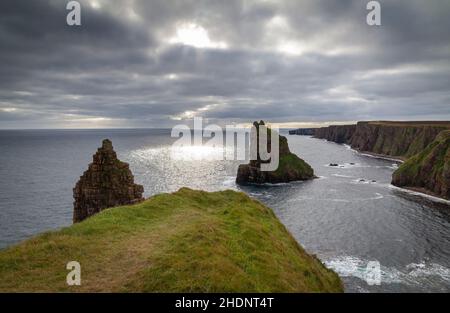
(429, 170)
(188, 241)
(397, 139)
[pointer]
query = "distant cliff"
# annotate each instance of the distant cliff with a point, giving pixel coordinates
(423, 144)
(336, 133)
(303, 131)
(396, 139)
(290, 167)
(428, 170)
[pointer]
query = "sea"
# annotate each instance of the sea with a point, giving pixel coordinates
(377, 237)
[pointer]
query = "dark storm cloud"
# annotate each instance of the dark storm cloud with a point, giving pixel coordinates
(154, 63)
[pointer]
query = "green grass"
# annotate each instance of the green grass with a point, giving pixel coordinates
(291, 163)
(426, 169)
(445, 124)
(188, 241)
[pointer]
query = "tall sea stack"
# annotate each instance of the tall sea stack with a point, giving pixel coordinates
(290, 168)
(107, 183)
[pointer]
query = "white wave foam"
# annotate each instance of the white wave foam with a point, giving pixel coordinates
(378, 157)
(229, 181)
(348, 165)
(392, 167)
(351, 266)
(377, 197)
(275, 184)
(414, 274)
(423, 269)
(344, 176)
(336, 200)
(420, 194)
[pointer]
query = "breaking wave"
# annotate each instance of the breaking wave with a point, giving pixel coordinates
(414, 274)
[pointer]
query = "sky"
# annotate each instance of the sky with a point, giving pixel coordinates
(158, 63)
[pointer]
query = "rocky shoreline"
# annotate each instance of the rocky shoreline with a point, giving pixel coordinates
(381, 156)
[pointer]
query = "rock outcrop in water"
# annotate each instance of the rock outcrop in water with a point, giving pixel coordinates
(290, 168)
(107, 183)
(428, 170)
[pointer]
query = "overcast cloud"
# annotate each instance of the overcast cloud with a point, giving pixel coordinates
(157, 63)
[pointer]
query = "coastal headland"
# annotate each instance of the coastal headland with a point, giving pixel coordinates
(423, 145)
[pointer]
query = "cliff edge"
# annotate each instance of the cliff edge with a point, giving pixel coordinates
(429, 170)
(187, 241)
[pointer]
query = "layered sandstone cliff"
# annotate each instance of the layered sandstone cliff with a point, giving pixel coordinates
(428, 170)
(336, 133)
(107, 183)
(303, 131)
(396, 139)
(424, 146)
(290, 167)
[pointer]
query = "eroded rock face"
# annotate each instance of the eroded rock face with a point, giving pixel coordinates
(107, 183)
(303, 131)
(423, 144)
(290, 168)
(336, 133)
(397, 139)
